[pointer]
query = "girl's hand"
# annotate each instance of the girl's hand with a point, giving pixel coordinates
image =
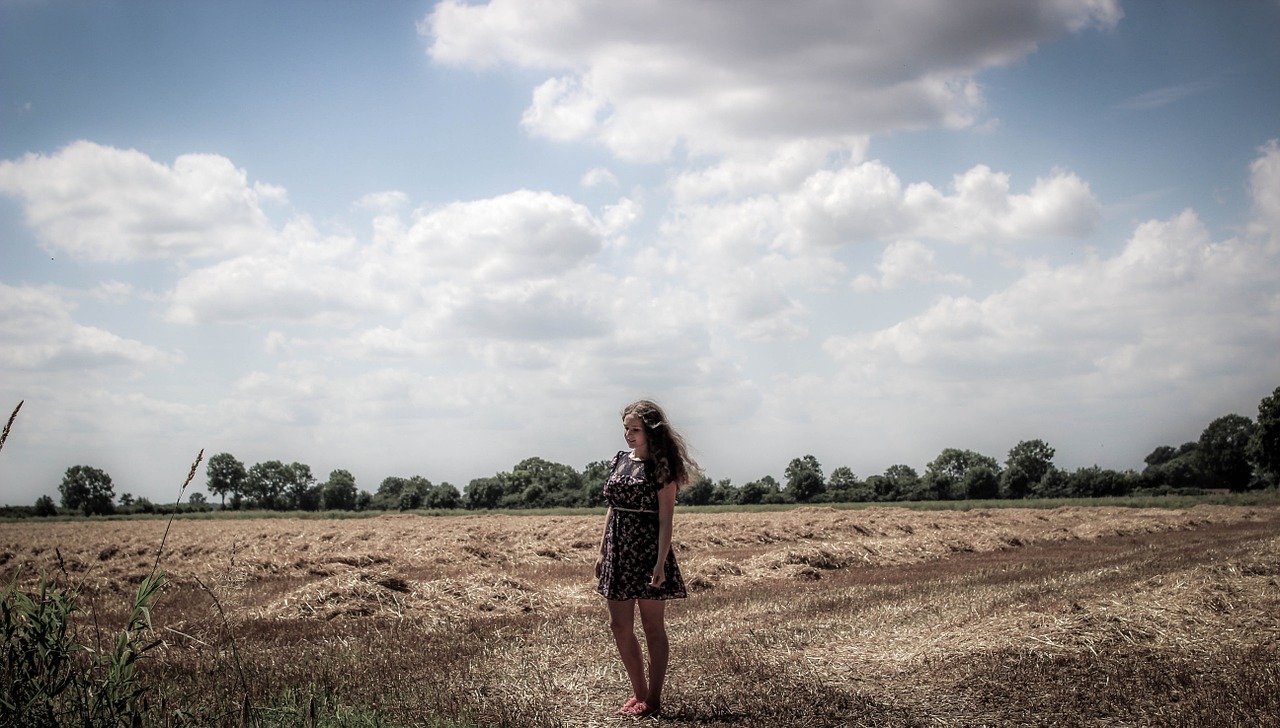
(599, 565)
(659, 575)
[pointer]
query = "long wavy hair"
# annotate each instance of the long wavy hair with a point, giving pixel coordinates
(667, 448)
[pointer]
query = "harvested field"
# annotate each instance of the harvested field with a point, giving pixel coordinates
(815, 616)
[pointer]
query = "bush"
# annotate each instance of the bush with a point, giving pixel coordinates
(45, 506)
(52, 678)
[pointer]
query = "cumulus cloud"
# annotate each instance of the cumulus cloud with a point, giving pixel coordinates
(100, 203)
(905, 261)
(383, 202)
(1171, 306)
(867, 201)
(450, 260)
(518, 236)
(719, 77)
(1264, 185)
(303, 277)
(756, 254)
(38, 333)
(597, 176)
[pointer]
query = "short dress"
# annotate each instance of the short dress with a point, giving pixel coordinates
(631, 536)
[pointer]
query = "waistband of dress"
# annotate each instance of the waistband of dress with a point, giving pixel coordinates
(632, 510)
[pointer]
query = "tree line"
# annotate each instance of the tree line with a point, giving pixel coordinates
(1233, 453)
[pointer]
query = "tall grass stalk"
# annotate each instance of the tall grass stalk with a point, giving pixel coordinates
(8, 425)
(51, 677)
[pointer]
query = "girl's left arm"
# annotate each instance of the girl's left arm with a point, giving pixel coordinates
(666, 514)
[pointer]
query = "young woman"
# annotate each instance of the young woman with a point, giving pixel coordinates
(637, 568)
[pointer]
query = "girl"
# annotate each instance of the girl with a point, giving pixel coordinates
(637, 567)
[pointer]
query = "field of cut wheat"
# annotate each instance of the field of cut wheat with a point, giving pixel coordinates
(814, 616)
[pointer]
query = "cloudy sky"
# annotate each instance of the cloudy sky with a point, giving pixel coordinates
(412, 238)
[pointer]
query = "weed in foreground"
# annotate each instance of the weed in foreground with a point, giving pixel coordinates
(53, 675)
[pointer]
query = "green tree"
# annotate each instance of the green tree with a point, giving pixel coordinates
(443, 496)
(554, 484)
(364, 501)
(1027, 464)
(1181, 470)
(301, 492)
(898, 483)
(45, 506)
(1054, 484)
(388, 497)
(198, 500)
(339, 492)
(594, 477)
(484, 494)
(805, 481)
(1224, 451)
(266, 483)
(1160, 455)
(724, 492)
(699, 492)
(225, 476)
(414, 493)
(87, 489)
(980, 483)
(764, 490)
(944, 476)
(1264, 446)
(1096, 482)
(844, 487)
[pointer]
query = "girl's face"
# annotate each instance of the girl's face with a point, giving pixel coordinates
(633, 432)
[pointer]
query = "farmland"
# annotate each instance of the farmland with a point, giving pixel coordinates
(813, 616)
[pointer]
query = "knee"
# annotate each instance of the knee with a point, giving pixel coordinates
(653, 626)
(621, 628)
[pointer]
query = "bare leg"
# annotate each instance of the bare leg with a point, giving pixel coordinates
(622, 623)
(655, 635)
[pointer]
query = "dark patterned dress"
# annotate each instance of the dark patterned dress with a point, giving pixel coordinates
(631, 536)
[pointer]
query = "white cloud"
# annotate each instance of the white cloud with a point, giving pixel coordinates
(38, 333)
(866, 201)
(983, 210)
(621, 215)
(518, 236)
(775, 168)
(1164, 96)
(716, 77)
(1264, 184)
(906, 261)
(383, 202)
(755, 255)
(100, 203)
(302, 276)
(597, 176)
(1172, 307)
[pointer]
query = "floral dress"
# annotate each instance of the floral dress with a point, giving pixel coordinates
(631, 536)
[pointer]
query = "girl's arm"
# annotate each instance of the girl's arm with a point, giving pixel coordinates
(600, 560)
(666, 513)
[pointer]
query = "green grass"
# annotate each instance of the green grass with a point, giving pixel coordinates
(1269, 497)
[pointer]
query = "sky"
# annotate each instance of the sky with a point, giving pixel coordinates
(416, 238)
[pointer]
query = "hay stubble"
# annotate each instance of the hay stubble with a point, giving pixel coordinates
(813, 616)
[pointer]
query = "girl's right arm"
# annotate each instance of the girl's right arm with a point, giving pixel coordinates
(600, 560)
